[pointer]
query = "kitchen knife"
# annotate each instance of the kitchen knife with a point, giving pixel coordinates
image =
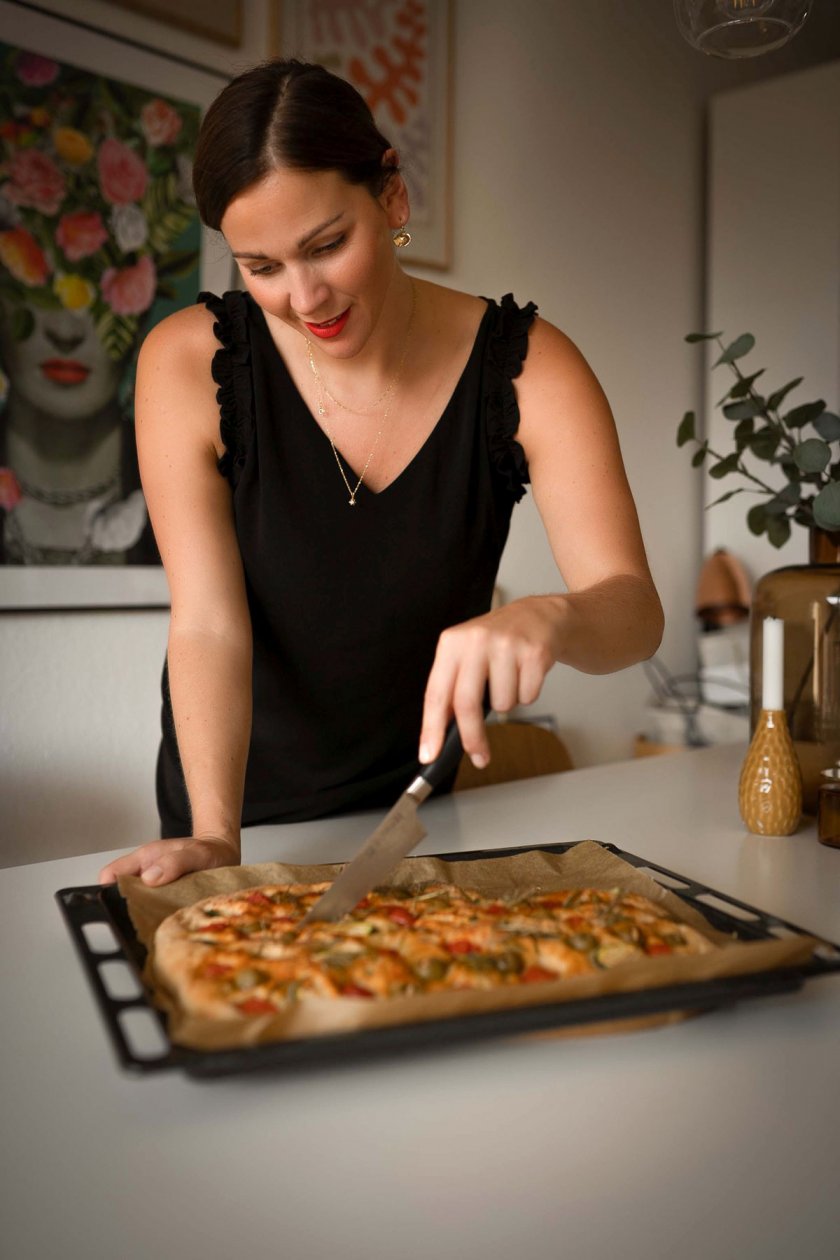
(397, 834)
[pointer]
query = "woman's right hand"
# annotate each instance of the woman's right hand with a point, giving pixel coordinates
(162, 861)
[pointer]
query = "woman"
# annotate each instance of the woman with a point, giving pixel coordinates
(372, 445)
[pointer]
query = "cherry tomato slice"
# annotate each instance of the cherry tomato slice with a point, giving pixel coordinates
(535, 973)
(256, 1006)
(258, 899)
(399, 914)
(355, 990)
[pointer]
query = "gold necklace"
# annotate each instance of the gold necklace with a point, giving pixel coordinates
(387, 394)
(325, 393)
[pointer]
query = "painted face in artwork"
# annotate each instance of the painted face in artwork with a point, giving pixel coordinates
(97, 222)
(62, 368)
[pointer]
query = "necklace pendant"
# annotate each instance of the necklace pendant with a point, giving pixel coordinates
(352, 500)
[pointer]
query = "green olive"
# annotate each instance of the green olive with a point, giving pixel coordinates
(434, 903)
(509, 963)
(339, 959)
(251, 929)
(479, 962)
(431, 968)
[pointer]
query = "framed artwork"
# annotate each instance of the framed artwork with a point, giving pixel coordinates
(219, 20)
(99, 240)
(398, 54)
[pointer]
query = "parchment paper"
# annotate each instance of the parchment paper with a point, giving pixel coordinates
(586, 865)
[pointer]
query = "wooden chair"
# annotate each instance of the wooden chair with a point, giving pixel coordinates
(518, 750)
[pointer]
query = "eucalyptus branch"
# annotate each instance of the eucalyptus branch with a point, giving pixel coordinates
(765, 412)
(746, 473)
(797, 443)
(738, 469)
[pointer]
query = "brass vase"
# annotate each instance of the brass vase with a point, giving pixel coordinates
(770, 788)
(807, 598)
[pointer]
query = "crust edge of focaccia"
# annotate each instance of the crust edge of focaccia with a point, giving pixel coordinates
(175, 960)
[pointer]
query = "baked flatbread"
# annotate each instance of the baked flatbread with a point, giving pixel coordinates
(242, 954)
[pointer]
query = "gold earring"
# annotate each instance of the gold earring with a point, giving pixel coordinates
(402, 238)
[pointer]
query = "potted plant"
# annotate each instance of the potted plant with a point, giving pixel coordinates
(803, 445)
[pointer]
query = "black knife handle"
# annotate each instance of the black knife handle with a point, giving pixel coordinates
(447, 759)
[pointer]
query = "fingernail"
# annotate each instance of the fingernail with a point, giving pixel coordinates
(425, 753)
(479, 760)
(152, 874)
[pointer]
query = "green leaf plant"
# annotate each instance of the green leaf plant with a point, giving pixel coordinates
(802, 443)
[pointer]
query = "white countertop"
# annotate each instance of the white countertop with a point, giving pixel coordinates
(717, 1136)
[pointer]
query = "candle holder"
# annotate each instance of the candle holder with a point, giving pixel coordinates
(770, 788)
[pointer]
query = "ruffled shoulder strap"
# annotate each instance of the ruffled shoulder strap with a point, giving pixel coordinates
(506, 350)
(231, 370)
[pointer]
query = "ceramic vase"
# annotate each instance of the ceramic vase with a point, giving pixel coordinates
(770, 787)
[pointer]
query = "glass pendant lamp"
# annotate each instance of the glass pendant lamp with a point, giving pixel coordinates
(740, 28)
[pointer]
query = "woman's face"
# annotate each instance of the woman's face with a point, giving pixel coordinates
(61, 368)
(315, 252)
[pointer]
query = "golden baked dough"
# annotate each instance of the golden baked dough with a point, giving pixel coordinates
(242, 954)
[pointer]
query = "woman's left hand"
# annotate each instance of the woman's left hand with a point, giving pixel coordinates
(506, 653)
(162, 861)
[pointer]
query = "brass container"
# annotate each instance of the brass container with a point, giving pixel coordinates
(770, 789)
(828, 815)
(807, 598)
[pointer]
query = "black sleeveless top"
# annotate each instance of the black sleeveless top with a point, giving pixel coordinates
(347, 603)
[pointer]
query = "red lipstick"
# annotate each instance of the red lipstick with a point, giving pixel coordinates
(65, 371)
(331, 328)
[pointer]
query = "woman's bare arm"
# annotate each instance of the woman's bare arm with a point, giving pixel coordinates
(610, 616)
(209, 649)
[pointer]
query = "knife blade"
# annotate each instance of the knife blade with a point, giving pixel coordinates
(398, 833)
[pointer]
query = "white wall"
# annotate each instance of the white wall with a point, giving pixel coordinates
(578, 184)
(578, 133)
(774, 275)
(79, 729)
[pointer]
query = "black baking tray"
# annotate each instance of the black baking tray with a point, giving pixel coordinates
(138, 1034)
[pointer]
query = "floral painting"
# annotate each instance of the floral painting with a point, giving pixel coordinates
(397, 54)
(99, 239)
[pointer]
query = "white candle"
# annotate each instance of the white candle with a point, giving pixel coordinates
(773, 667)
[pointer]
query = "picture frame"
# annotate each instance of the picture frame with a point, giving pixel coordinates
(399, 55)
(50, 586)
(219, 20)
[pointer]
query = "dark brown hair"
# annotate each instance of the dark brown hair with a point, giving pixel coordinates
(284, 113)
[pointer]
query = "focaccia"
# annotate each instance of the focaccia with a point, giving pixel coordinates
(241, 954)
